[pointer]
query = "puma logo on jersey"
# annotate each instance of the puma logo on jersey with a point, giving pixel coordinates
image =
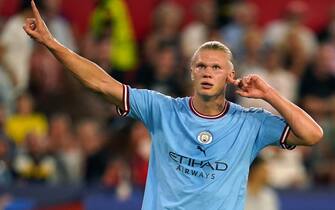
(201, 149)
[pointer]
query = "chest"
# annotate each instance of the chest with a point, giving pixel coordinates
(226, 138)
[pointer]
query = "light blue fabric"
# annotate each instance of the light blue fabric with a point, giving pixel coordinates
(187, 174)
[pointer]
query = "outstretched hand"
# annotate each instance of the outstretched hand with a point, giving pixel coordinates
(251, 86)
(35, 27)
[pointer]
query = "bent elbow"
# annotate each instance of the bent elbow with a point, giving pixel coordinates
(319, 136)
(316, 137)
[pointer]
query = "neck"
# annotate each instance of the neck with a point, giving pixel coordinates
(210, 106)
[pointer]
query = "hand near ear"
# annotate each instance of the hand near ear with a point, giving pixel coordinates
(235, 82)
(251, 86)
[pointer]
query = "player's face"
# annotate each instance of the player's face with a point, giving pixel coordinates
(210, 71)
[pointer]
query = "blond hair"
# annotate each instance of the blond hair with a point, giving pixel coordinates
(213, 45)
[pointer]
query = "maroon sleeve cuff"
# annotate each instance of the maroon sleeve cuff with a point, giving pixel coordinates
(283, 139)
(125, 109)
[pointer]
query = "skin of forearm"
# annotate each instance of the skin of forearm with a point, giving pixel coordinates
(301, 124)
(89, 73)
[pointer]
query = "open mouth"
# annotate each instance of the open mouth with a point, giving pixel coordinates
(206, 85)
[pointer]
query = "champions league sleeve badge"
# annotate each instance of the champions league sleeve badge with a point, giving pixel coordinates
(205, 137)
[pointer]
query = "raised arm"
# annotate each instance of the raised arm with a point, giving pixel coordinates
(90, 74)
(305, 131)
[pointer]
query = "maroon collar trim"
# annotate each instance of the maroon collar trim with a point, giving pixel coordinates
(221, 114)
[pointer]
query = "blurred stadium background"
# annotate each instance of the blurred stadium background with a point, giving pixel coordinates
(62, 147)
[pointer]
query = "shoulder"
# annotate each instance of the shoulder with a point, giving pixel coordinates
(152, 96)
(249, 113)
(240, 109)
(150, 93)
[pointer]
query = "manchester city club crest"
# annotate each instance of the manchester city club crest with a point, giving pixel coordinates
(205, 137)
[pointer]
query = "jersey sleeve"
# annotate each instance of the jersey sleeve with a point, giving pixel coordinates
(143, 105)
(273, 130)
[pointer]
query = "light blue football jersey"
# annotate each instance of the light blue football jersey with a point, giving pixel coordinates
(200, 162)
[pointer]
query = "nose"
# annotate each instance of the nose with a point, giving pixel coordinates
(207, 73)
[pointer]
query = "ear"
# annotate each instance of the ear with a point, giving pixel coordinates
(231, 73)
(192, 76)
(231, 76)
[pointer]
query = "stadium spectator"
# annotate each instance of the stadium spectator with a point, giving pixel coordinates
(7, 92)
(112, 19)
(118, 176)
(317, 95)
(297, 41)
(33, 164)
(104, 49)
(89, 134)
(166, 24)
(287, 169)
(294, 53)
(317, 88)
(141, 141)
(17, 48)
(25, 120)
(321, 160)
(245, 15)
(260, 196)
(57, 24)
(327, 38)
(293, 19)
(251, 60)
(66, 149)
(7, 153)
(204, 27)
(6, 161)
(47, 81)
(165, 70)
(3, 118)
(327, 34)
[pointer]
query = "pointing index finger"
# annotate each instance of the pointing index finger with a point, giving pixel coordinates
(35, 11)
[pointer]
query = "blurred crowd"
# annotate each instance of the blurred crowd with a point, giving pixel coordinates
(54, 131)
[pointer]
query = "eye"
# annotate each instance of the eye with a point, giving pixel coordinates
(216, 67)
(201, 66)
